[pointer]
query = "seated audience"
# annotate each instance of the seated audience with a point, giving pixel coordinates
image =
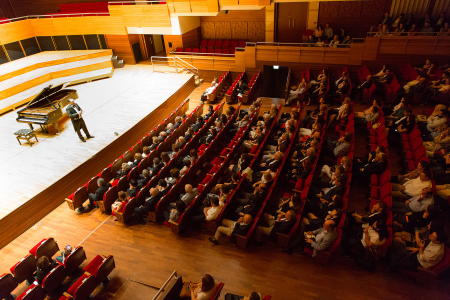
(283, 224)
(231, 228)
(359, 90)
(341, 147)
(377, 167)
(97, 196)
(335, 41)
(155, 167)
(145, 151)
(208, 91)
(162, 136)
(357, 221)
(175, 213)
(155, 143)
(433, 122)
(209, 113)
(118, 204)
(414, 204)
(177, 122)
(169, 129)
(204, 290)
(411, 188)
(293, 94)
(341, 112)
(198, 124)
(318, 240)
(132, 190)
(373, 236)
(209, 137)
(442, 141)
(327, 32)
(342, 89)
(144, 178)
(123, 171)
(403, 125)
(44, 266)
(422, 166)
(208, 213)
(174, 177)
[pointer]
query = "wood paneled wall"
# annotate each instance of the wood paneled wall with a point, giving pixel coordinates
(38, 7)
(192, 38)
(121, 46)
(418, 8)
(176, 41)
(246, 25)
(355, 16)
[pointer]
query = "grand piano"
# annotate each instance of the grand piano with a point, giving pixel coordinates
(47, 107)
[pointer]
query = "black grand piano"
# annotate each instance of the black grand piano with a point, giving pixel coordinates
(47, 107)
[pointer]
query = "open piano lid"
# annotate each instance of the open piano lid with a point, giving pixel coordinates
(47, 92)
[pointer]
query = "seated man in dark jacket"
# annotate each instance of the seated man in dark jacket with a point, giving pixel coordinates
(377, 167)
(149, 205)
(156, 167)
(283, 224)
(199, 124)
(403, 125)
(98, 196)
(231, 228)
(132, 191)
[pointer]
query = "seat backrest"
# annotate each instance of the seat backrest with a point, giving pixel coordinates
(74, 260)
(126, 157)
(133, 174)
(106, 174)
(105, 269)
(35, 292)
(142, 194)
(337, 242)
(444, 264)
(92, 185)
(85, 289)
(47, 248)
(7, 285)
(116, 166)
(25, 268)
(54, 278)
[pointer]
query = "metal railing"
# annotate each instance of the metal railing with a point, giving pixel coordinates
(51, 16)
(405, 34)
(172, 64)
(174, 274)
(201, 54)
(137, 2)
(313, 44)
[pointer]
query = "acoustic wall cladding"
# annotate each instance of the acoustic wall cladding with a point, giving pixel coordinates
(233, 30)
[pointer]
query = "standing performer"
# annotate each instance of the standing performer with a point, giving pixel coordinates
(74, 112)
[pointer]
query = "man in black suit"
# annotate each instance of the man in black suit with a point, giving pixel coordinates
(209, 113)
(328, 193)
(199, 124)
(283, 224)
(377, 166)
(102, 188)
(132, 191)
(149, 205)
(386, 20)
(144, 178)
(189, 134)
(385, 79)
(359, 90)
(275, 161)
(162, 136)
(231, 228)
(75, 114)
(162, 187)
(415, 90)
(156, 167)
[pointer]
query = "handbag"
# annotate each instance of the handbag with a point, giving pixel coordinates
(185, 291)
(375, 126)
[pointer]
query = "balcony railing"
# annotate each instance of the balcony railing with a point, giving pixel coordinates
(55, 15)
(406, 34)
(137, 2)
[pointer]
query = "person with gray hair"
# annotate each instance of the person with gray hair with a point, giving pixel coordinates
(177, 122)
(97, 196)
(162, 136)
(169, 128)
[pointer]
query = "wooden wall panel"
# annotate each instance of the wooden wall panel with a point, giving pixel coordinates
(191, 38)
(237, 25)
(392, 46)
(289, 54)
(176, 41)
(356, 16)
(11, 32)
(371, 48)
(356, 54)
(74, 26)
(240, 61)
(120, 44)
(108, 25)
(199, 6)
(156, 15)
(43, 27)
(416, 7)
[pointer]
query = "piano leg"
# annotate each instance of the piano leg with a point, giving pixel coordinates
(57, 128)
(31, 126)
(44, 128)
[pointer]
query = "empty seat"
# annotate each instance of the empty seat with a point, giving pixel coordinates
(210, 50)
(204, 43)
(218, 43)
(24, 268)
(233, 44)
(33, 292)
(202, 50)
(226, 51)
(46, 247)
(226, 44)
(241, 44)
(179, 50)
(218, 51)
(101, 267)
(210, 43)
(7, 285)
(82, 288)
(195, 50)
(188, 50)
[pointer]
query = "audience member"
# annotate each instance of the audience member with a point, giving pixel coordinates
(283, 224)
(97, 196)
(231, 228)
(359, 90)
(204, 290)
(175, 213)
(411, 188)
(293, 94)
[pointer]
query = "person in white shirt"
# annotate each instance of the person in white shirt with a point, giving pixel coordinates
(209, 213)
(433, 122)
(209, 91)
(334, 42)
(427, 257)
(415, 204)
(373, 237)
(411, 188)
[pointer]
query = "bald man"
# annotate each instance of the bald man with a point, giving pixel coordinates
(231, 228)
(75, 114)
(317, 240)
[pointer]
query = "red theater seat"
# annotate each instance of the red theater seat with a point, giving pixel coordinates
(24, 268)
(83, 287)
(101, 267)
(7, 285)
(33, 292)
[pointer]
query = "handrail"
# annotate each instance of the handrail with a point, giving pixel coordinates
(303, 45)
(174, 274)
(50, 16)
(190, 67)
(133, 2)
(202, 54)
(403, 34)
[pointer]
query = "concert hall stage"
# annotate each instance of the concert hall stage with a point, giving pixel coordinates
(35, 180)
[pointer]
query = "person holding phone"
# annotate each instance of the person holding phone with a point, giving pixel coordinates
(64, 254)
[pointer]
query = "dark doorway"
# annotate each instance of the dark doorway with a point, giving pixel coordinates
(291, 21)
(275, 80)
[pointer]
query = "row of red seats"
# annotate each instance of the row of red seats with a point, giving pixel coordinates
(367, 93)
(223, 82)
(96, 272)
(251, 87)
(208, 51)
(207, 184)
(77, 198)
(307, 75)
(178, 188)
(232, 91)
(222, 44)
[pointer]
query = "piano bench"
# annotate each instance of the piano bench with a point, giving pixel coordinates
(25, 134)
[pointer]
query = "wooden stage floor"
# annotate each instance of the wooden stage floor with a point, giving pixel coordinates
(109, 105)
